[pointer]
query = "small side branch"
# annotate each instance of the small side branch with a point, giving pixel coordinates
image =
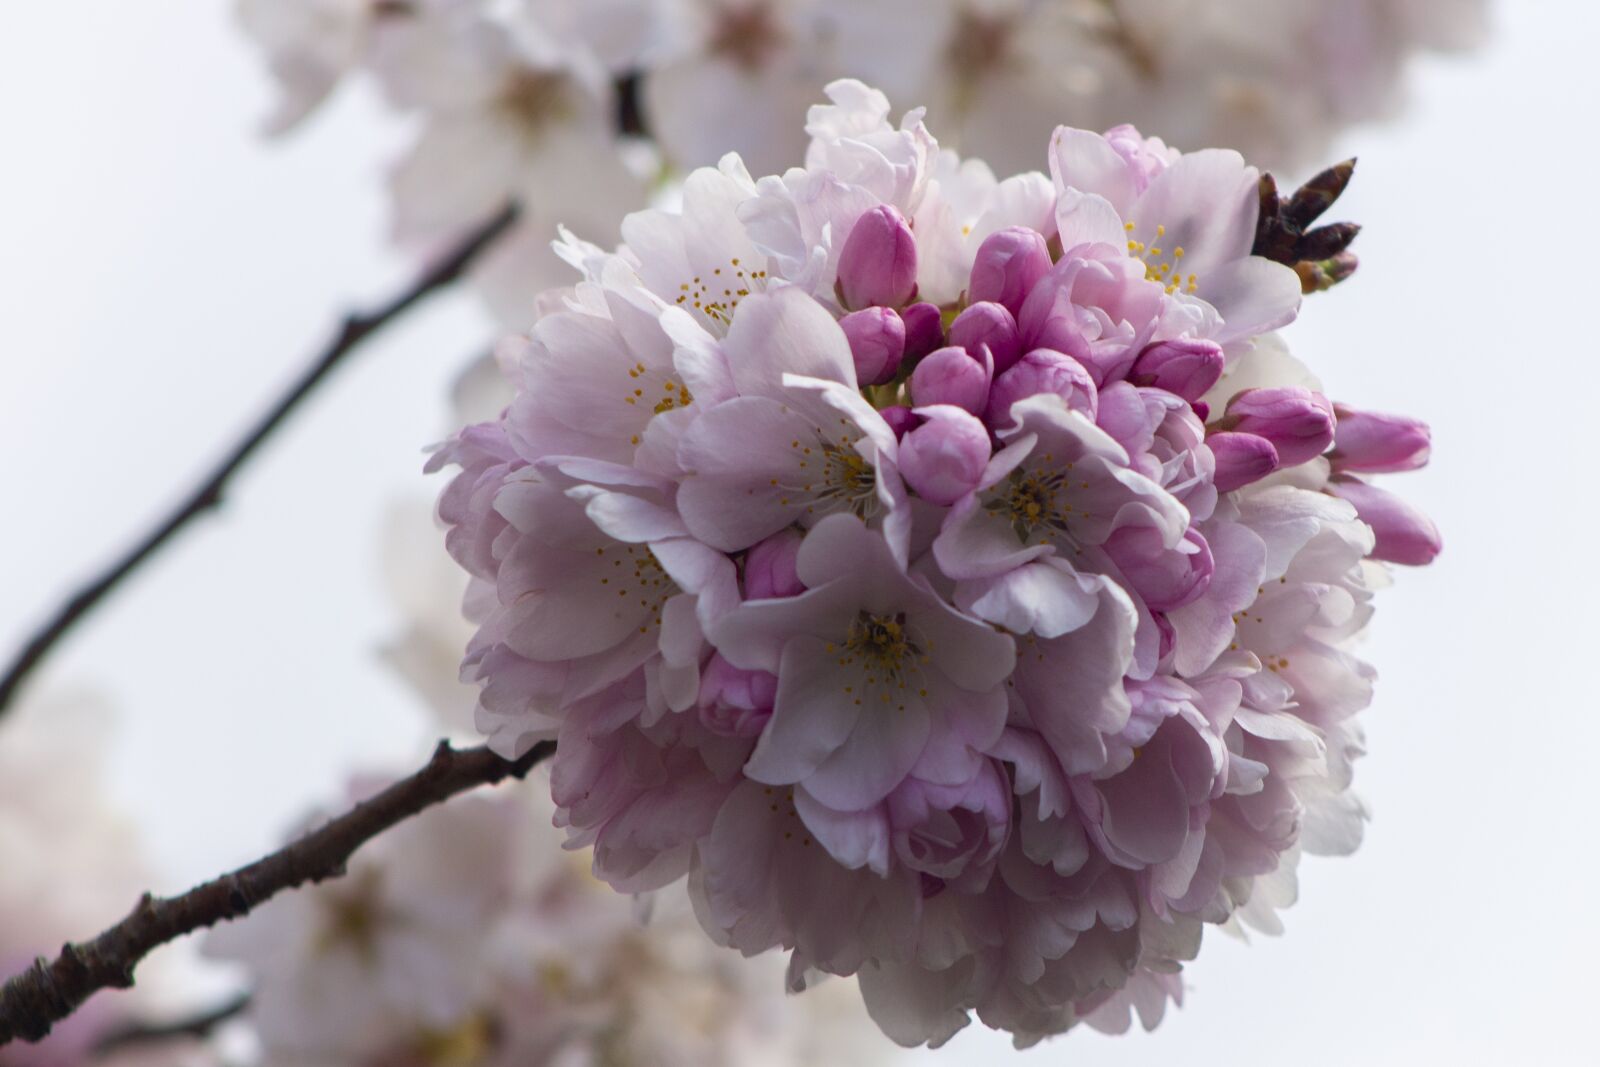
(208, 494)
(197, 1027)
(35, 1000)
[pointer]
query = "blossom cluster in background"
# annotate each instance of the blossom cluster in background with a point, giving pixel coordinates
(949, 578)
(69, 863)
(466, 937)
(575, 108)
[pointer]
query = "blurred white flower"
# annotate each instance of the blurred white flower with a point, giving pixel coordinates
(69, 861)
(468, 936)
(571, 107)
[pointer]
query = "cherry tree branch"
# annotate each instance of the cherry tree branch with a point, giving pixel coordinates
(35, 1000)
(199, 1026)
(209, 494)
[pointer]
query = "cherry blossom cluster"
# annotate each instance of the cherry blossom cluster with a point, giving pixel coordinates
(950, 578)
(572, 108)
(468, 938)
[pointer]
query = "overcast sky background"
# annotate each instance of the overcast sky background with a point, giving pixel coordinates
(163, 270)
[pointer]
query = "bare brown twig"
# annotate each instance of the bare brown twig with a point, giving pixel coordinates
(209, 493)
(195, 1027)
(35, 1000)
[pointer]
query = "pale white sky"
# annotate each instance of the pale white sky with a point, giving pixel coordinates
(162, 271)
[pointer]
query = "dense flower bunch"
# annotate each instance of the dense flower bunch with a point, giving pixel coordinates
(950, 577)
(572, 107)
(444, 947)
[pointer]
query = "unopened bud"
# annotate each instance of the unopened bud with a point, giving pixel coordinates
(878, 265)
(877, 342)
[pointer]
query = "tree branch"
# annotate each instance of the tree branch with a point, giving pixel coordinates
(38, 998)
(202, 1025)
(209, 494)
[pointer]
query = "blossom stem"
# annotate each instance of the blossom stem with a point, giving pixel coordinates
(209, 494)
(35, 1000)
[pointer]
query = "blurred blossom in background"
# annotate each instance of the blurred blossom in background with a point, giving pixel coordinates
(165, 269)
(576, 109)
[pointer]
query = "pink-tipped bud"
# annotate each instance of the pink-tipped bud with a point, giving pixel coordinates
(924, 330)
(1186, 368)
(877, 341)
(1007, 265)
(1379, 444)
(1167, 578)
(1242, 458)
(878, 265)
(952, 376)
(992, 325)
(735, 702)
(1041, 371)
(943, 459)
(1298, 422)
(900, 419)
(1402, 533)
(769, 567)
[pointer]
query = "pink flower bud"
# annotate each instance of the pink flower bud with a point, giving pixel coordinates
(943, 459)
(1166, 578)
(877, 341)
(988, 324)
(878, 265)
(924, 330)
(1185, 368)
(1368, 441)
(735, 702)
(900, 419)
(1007, 265)
(1242, 458)
(769, 567)
(1041, 371)
(1403, 534)
(952, 376)
(1298, 422)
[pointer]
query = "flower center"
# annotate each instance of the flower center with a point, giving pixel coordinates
(1160, 264)
(536, 99)
(886, 652)
(747, 34)
(635, 574)
(980, 42)
(718, 296)
(352, 915)
(1034, 501)
(836, 477)
(473, 1041)
(657, 390)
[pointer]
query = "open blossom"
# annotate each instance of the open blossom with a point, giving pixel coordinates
(988, 679)
(569, 108)
(467, 938)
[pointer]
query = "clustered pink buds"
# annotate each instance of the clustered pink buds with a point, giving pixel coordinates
(1183, 367)
(878, 265)
(877, 339)
(1008, 265)
(1403, 534)
(1041, 371)
(1376, 444)
(943, 459)
(956, 376)
(988, 326)
(973, 618)
(1298, 422)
